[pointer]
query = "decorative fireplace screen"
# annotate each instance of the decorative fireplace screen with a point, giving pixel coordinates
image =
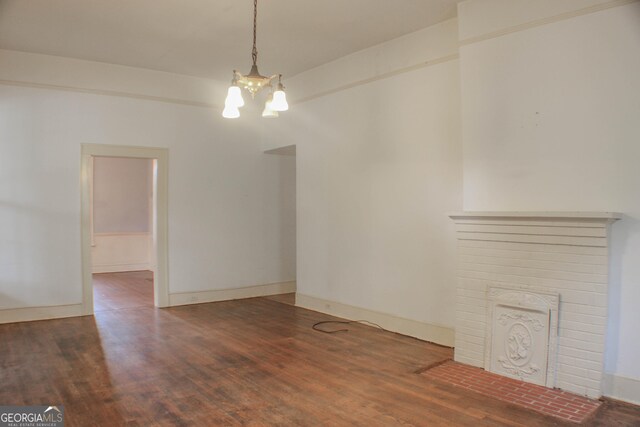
(522, 334)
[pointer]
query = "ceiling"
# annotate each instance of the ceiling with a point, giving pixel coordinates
(209, 38)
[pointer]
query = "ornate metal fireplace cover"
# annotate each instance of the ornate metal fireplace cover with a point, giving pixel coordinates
(522, 330)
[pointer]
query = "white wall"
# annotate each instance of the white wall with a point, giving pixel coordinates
(550, 112)
(122, 194)
(379, 166)
(118, 252)
(122, 209)
(219, 179)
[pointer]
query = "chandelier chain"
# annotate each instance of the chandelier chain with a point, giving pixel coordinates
(254, 52)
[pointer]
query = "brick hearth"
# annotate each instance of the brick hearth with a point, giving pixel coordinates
(557, 403)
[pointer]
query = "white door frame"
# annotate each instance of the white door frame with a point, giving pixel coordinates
(160, 224)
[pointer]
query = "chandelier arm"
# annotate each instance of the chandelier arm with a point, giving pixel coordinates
(254, 51)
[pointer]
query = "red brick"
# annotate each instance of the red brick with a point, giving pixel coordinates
(575, 406)
(558, 403)
(562, 400)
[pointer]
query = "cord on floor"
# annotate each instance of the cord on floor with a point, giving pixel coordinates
(344, 322)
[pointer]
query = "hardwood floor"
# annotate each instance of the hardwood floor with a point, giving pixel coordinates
(246, 362)
(284, 298)
(114, 291)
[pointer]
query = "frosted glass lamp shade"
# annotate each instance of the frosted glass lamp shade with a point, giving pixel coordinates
(230, 112)
(268, 111)
(234, 97)
(279, 101)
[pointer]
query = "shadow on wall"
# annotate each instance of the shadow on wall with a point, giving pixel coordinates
(620, 232)
(31, 247)
(6, 301)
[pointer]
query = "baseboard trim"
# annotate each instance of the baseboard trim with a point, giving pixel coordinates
(185, 298)
(28, 314)
(119, 268)
(424, 331)
(622, 388)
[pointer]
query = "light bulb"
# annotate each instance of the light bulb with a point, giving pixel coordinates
(268, 111)
(279, 101)
(234, 97)
(230, 112)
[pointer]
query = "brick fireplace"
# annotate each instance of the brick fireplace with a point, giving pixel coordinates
(532, 296)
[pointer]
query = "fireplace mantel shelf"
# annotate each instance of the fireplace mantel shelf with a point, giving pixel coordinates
(548, 215)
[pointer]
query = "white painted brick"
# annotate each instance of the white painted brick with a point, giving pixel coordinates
(476, 332)
(549, 240)
(569, 369)
(474, 339)
(593, 311)
(471, 301)
(462, 320)
(470, 317)
(474, 347)
(571, 313)
(468, 308)
(591, 299)
(479, 294)
(510, 280)
(592, 260)
(550, 265)
(595, 375)
(582, 336)
(529, 247)
(472, 293)
(584, 327)
(472, 284)
(579, 381)
(566, 360)
(529, 230)
(601, 289)
(595, 347)
(590, 365)
(536, 273)
(468, 324)
(478, 358)
(578, 389)
(580, 354)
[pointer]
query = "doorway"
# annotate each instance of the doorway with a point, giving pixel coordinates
(281, 218)
(111, 256)
(121, 238)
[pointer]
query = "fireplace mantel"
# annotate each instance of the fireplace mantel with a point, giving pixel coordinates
(558, 253)
(606, 217)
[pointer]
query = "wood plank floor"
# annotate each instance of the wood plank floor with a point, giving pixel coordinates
(247, 362)
(284, 298)
(114, 291)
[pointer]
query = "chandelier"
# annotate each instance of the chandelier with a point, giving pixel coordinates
(254, 82)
